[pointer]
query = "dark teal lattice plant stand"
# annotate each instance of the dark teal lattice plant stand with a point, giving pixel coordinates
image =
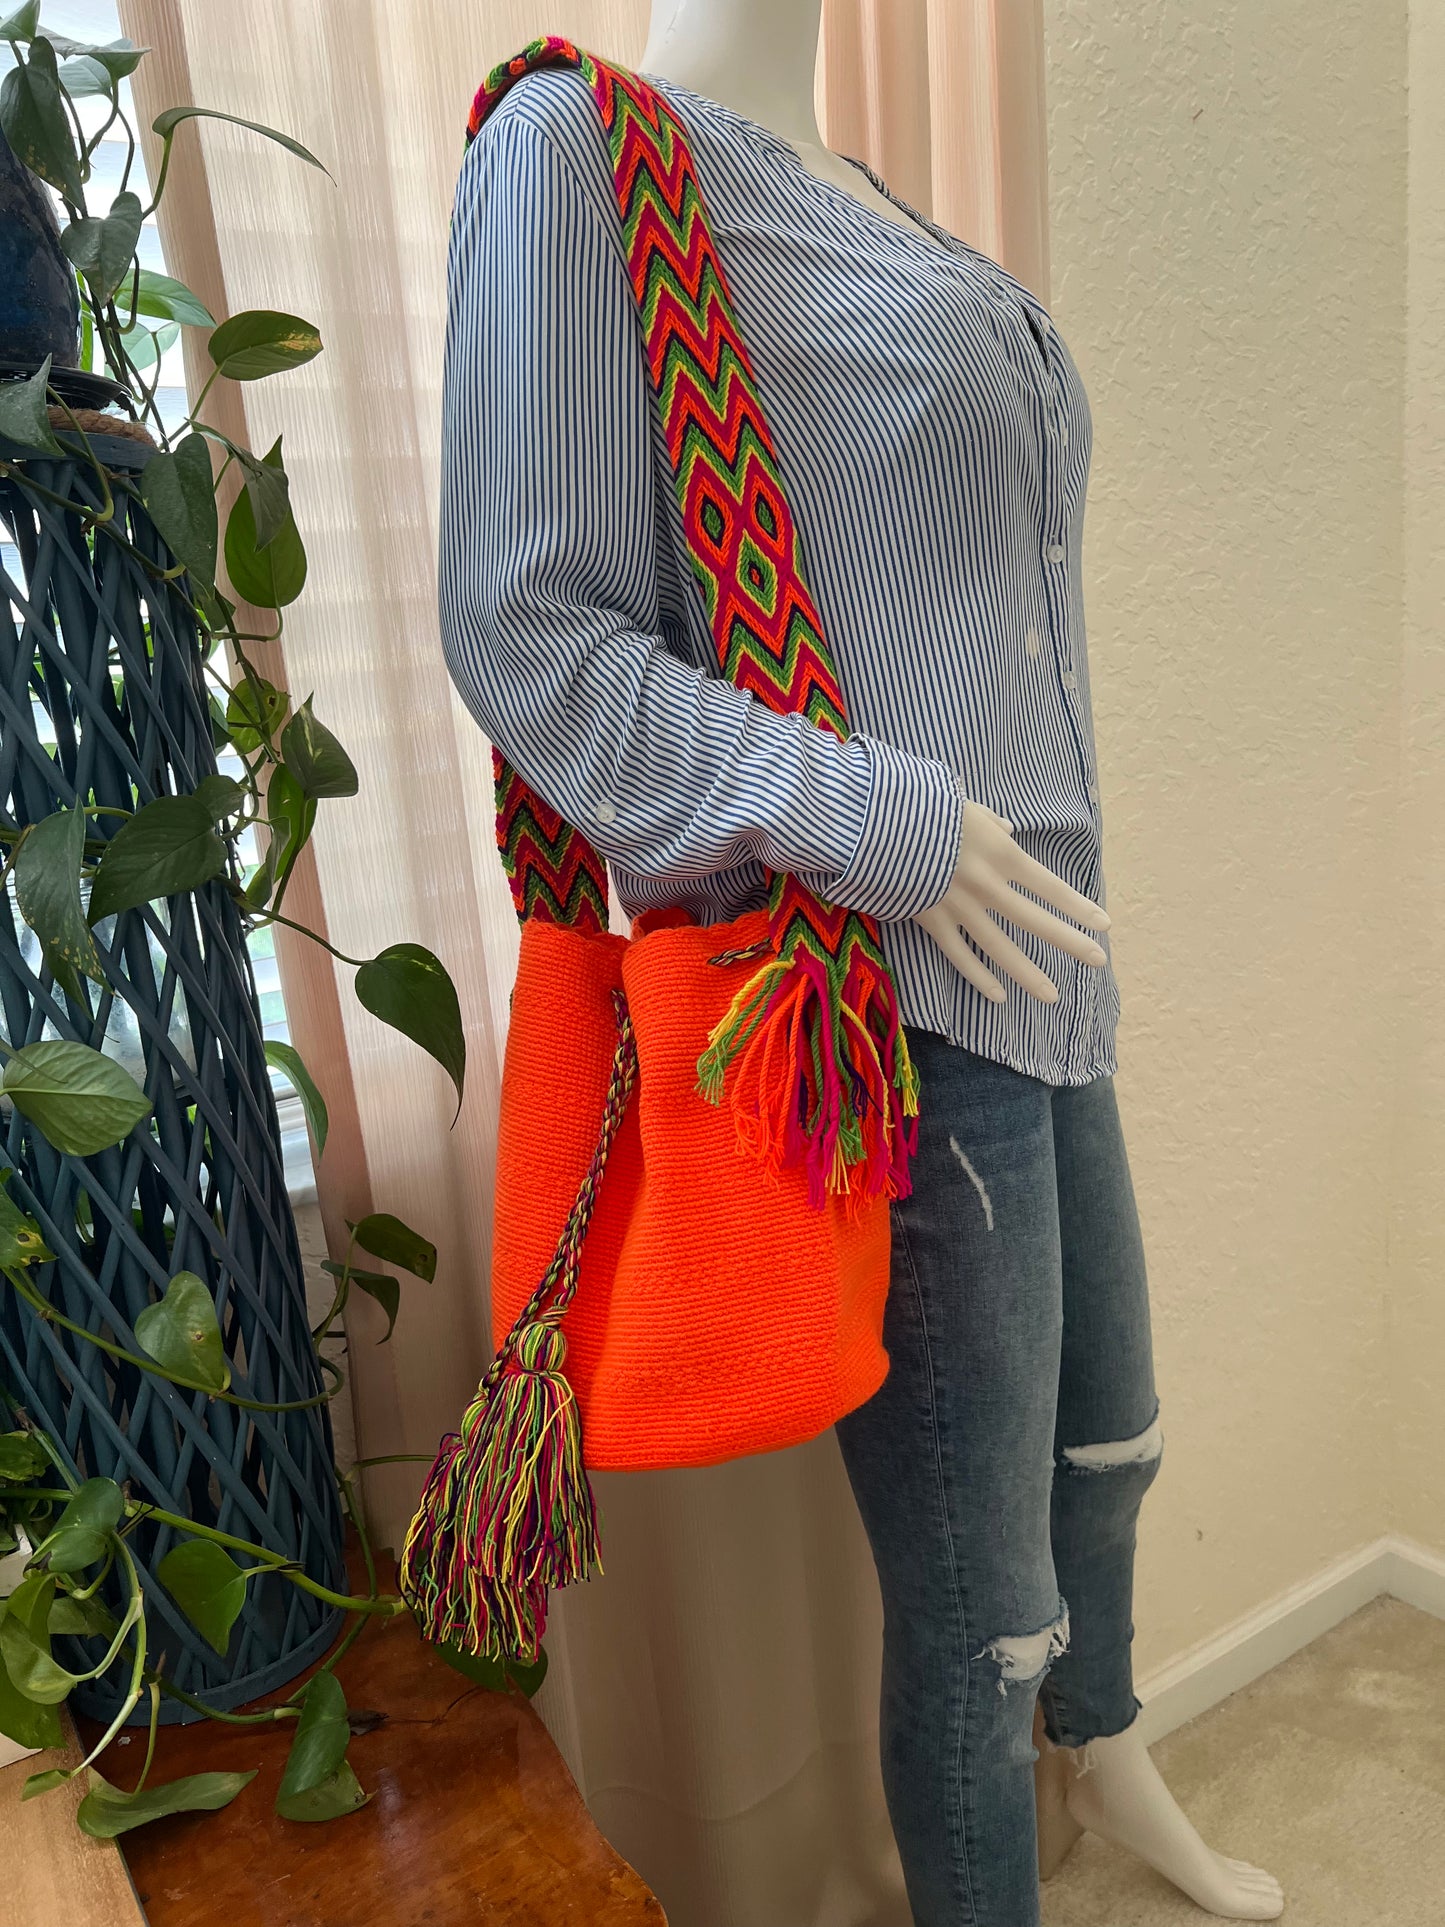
(103, 702)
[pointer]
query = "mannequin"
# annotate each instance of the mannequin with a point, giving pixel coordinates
(758, 57)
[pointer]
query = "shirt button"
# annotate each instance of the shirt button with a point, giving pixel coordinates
(1033, 641)
(1055, 552)
(1092, 789)
(606, 812)
(1071, 681)
(1063, 435)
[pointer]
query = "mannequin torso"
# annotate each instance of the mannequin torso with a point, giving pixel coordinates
(758, 58)
(706, 57)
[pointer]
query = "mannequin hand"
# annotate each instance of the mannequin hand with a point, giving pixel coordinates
(989, 863)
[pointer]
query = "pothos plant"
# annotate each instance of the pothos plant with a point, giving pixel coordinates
(70, 1538)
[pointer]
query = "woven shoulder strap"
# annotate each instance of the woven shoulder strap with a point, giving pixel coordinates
(812, 1046)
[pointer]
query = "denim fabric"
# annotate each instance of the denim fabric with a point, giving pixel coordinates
(1017, 1327)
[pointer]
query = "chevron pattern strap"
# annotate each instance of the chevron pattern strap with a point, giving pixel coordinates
(555, 874)
(818, 1062)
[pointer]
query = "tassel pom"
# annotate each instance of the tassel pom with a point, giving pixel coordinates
(821, 1074)
(507, 1511)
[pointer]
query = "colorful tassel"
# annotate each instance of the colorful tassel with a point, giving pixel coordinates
(507, 1511)
(821, 1075)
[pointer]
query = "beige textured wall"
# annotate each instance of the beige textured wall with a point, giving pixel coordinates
(1228, 201)
(1417, 1229)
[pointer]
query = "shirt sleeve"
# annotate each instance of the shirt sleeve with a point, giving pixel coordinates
(548, 590)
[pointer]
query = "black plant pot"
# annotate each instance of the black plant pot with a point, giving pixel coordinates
(39, 301)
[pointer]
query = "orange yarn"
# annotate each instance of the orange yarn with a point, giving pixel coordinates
(718, 1313)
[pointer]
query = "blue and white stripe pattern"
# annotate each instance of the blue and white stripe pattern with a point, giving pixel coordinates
(934, 436)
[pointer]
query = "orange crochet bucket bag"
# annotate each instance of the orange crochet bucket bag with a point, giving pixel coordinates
(676, 1279)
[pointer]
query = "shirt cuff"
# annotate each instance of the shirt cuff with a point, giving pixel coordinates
(907, 849)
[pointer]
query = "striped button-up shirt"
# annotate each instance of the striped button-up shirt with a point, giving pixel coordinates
(933, 434)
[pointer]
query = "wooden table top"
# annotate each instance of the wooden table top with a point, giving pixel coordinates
(473, 1818)
(53, 1874)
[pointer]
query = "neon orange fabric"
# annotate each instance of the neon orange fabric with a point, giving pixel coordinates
(719, 1313)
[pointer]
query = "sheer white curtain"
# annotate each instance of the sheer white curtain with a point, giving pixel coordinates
(716, 1693)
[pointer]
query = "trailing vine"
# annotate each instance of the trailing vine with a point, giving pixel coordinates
(75, 868)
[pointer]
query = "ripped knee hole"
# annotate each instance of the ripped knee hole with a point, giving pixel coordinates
(1022, 1657)
(1143, 1449)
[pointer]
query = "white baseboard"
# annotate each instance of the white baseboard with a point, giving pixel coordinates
(1211, 1671)
(1416, 1575)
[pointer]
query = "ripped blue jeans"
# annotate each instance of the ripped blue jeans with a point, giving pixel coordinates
(1000, 1468)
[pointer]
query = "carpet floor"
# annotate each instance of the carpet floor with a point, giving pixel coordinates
(1329, 1771)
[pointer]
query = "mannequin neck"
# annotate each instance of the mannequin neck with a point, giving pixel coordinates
(758, 57)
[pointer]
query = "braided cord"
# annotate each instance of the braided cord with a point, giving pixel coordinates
(555, 1293)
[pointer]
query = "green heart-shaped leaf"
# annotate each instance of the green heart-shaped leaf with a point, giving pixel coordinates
(207, 1585)
(178, 490)
(23, 24)
(379, 1285)
(26, 1721)
(165, 848)
(46, 1782)
(482, 1668)
(84, 78)
(286, 1059)
(182, 1334)
(166, 124)
(22, 1457)
(23, 411)
(333, 1797)
(253, 713)
(408, 988)
(291, 815)
(269, 488)
(318, 1783)
(220, 796)
(103, 248)
(260, 342)
(315, 758)
(269, 577)
(216, 611)
(47, 890)
(25, 1642)
(80, 1618)
(387, 1293)
(165, 299)
(83, 1530)
(145, 346)
(387, 1237)
(528, 1674)
(34, 120)
(107, 1811)
(262, 880)
(83, 1102)
(118, 57)
(21, 1243)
